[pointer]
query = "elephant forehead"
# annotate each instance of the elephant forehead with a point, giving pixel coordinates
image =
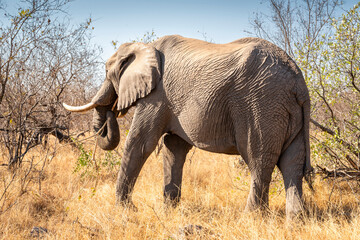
(111, 62)
(115, 59)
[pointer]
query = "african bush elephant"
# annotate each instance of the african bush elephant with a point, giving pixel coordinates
(246, 97)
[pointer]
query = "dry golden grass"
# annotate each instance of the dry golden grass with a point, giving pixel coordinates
(215, 188)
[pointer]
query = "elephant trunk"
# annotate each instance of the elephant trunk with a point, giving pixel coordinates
(108, 136)
(103, 101)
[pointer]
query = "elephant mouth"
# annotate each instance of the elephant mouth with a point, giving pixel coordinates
(105, 125)
(120, 113)
(105, 116)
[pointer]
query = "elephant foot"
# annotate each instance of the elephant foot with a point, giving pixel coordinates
(127, 204)
(169, 202)
(172, 195)
(294, 204)
(256, 207)
(258, 199)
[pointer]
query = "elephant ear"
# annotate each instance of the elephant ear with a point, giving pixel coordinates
(136, 68)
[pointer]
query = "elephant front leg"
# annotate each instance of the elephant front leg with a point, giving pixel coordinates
(131, 165)
(137, 150)
(174, 154)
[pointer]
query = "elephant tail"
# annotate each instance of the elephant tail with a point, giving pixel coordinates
(308, 169)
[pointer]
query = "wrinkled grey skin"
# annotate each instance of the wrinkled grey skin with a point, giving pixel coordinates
(247, 97)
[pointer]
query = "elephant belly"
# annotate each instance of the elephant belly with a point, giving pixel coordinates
(217, 147)
(210, 133)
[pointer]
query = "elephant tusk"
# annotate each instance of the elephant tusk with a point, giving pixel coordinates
(114, 105)
(83, 108)
(119, 114)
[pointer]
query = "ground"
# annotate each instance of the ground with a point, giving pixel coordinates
(77, 201)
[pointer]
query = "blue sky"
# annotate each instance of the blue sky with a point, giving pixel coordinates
(221, 20)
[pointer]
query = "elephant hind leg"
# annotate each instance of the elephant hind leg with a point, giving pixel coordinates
(260, 181)
(174, 154)
(291, 165)
(261, 153)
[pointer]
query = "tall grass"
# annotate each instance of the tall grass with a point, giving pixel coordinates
(73, 205)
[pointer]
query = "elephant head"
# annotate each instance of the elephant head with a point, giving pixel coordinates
(131, 73)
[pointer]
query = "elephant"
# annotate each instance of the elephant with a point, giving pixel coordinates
(246, 98)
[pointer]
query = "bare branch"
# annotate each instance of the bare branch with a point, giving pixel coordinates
(347, 145)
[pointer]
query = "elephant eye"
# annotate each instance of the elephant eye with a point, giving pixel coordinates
(124, 62)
